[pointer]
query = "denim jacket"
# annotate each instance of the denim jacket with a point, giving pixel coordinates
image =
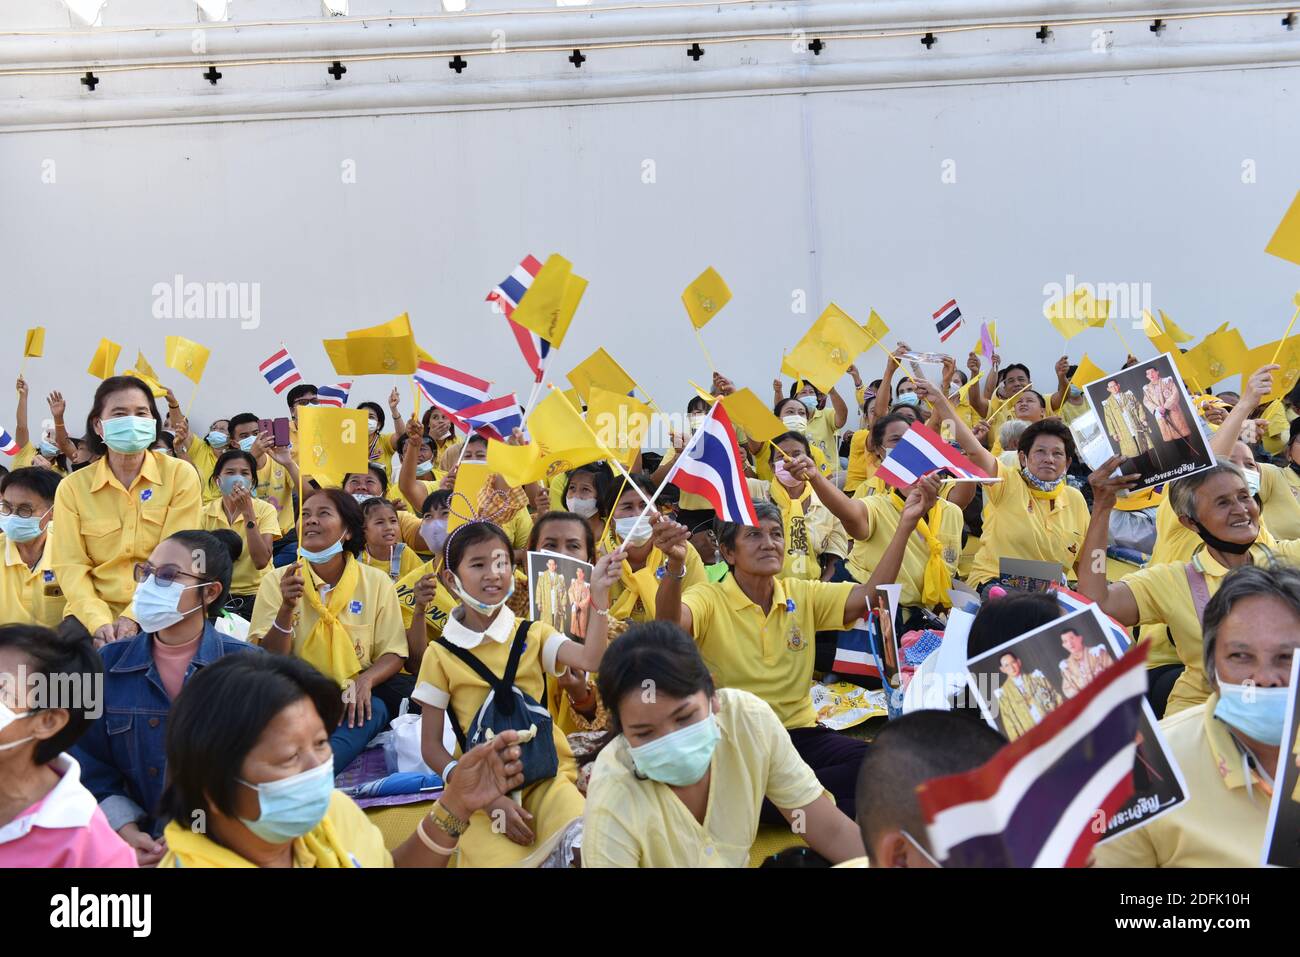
(123, 754)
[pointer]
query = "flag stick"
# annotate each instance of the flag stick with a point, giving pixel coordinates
(190, 406)
(1128, 350)
(685, 452)
(781, 450)
(703, 348)
(604, 532)
(1278, 351)
(415, 395)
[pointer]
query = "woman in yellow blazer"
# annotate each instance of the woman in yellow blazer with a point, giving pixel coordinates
(113, 513)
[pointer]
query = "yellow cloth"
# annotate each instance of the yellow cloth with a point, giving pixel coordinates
(632, 597)
(1018, 524)
(1068, 411)
(406, 563)
(800, 560)
(770, 655)
(821, 435)
(344, 838)
(634, 822)
(938, 572)
(382, 449)
(328, 647)
(369, 617)
(204, 459)
(1164, 596)
(884, 514)
(862, 461)
(105, 529)
(1221, 825)
(30, 595)
(826, 536)
(246, 576)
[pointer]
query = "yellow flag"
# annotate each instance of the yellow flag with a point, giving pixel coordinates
(393, 328)
(1066, 316)
(1159, 338)
(875, 327)
(1285, 243)
(561, 441)
(1088, 371)
(619, 422)
(704, 297)
(104, 361)
(1095, 312)
(600, 369)
(471, 478)
(423, 356)
(332, 442)
(1216, 358)
(144, 372)
(365, 355)
(552, 300)
(34, 347)
(1284, 379)
(827, 349)
(1174, 332)
(747, 411)
(186, 357)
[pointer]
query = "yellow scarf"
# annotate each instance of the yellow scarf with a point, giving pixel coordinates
(186, 848)
(1042, 496)
(938, 577)
(329, 647)
(641, 584)
(799, 560)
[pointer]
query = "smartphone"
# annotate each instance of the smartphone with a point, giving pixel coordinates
(281, 430)
(264, 427)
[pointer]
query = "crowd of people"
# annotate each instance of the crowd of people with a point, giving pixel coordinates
(240, 632)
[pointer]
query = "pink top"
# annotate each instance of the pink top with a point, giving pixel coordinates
(65, 828)
(172, 662)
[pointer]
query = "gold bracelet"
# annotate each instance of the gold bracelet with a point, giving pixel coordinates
(430, 843)
(447, 821)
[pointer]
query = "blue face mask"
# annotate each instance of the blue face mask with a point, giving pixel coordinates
(424, 468)
(324, 555)
(910, 398)
(809, 401)
(129, 433)
(482, 607)
(229, 483)
(21, 530)
(156, 605)
(680, 758)
(1258, 713)
(49, 449)
(217, 439)
(292, 806)
(246, 443)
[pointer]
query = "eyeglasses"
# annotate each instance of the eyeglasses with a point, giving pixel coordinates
(305, 401)
(22, 511)
(164, 575)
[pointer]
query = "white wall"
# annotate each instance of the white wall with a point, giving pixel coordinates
(1113, 178)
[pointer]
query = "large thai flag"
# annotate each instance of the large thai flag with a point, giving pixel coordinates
(495, 418)
(947, 320)
(335, 395)
(450, 389)
(710, 466)
(921, 451)
(7, 444)
(1035, 803)
(855, 650)
(508, 294)
(280, 371)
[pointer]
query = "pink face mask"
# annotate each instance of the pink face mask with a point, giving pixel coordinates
(783, 475)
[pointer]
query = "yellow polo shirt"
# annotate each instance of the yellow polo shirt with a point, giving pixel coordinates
(1069, 411)
(825, 534)
(30, 596)
(1281, 512)
(204, 459)
(1220, 825)
(105, 529)
(768, 655)
(246, 576)
(372, 617)
(884, 516)
(862, 461)
(1017, 525)
(635, 822)
(1164, 596)
(275, 487)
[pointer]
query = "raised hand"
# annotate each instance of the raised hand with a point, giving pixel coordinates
(291, 586)
(1105, 490)
(57, 405)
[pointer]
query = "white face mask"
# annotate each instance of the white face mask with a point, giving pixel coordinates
(795, 423)
(583, 507)
(8, 717)
(374, 426)
(695, 420)
(633, 530)
(1252, 480)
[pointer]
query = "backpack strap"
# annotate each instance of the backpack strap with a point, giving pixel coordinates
(516, 652)
(1199, 588)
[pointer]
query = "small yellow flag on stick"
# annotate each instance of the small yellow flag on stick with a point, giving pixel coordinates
(1285, 379)
(827, 349)
(1159, 338)
(1285, 243)
(186, 357)
(561, 441)
(332, 441)
(391, 355)
(1066, 316)
(104, 361)
(1216, 358)
(34, 347)
(620, 423)
(600, 369)
(471, 479)
(747, 411)
(144, 372)
(1088, 371)
(705, 297)
(551, 301)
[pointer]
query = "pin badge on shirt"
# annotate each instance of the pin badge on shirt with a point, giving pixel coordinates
(47, 576)
(355, 608)
(146, 495)
(789, 606)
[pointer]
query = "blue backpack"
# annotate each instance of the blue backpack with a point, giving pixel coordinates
(506, 708)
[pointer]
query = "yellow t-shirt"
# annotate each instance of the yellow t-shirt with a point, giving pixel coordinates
(30, 596)
(823, 533)
(204, 459)
(1221, 825)
(372, 618)
(246, 576)
(862, 461)
(1069, 411)
(822, 434)
(647, 582)
(276, 489)
(768, 655)
(518, 527)
(382, 449)
(1281, 512)
(636, 822)
(407, 562)
(1164, 596)
(884, 516)
(1017, 525)
(105, 529)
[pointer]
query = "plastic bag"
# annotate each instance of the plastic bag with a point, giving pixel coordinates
(402, 748)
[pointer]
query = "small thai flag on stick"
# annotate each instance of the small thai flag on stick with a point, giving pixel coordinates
(947, 320)
(495, 418)
(280, 371)
(335, 395)
(921, 451)
(7, 444)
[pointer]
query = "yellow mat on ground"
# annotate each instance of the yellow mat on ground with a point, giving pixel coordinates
(770, 840)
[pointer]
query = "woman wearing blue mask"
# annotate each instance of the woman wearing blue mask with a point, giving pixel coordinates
(179, 593)
(262, 778)
(234, 475)
(682, 783)
(112, 515)
(338, 614)
(1229, 748)
(483, 636)
(202, 453)
(29, 590)
(417, 475)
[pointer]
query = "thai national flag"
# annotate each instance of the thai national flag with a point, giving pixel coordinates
(919, 452)
(280, 371)
(710, 466)
(1035, 803)
(335, 395)
(450, 389)
(508, 294)
(1071, 602)
(7, 444)
(947, 320)
(855, 650)
(495, 418)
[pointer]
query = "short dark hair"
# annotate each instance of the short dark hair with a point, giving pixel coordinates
(550, 518)
(438, 498)
(475, 437)
(1002, 373)
(726, 532)
(794, 388)
(600, 474)
(657, 651)
(63, 657)
(907, 752)
(1034, 392)
(218, 554)
(230, 455)
(244, 418)
(372, 504)
(204, 756)
(614, 491)
(779, 403)
(41, 482)
(801, 439)
(471, 533)
(404, 438)
(296, 393)
(1000, 619)
(375, 469)
(112, 384)
(350, 512)
(375, 408)
(881, 424)
(697, 404)
(1053, 427)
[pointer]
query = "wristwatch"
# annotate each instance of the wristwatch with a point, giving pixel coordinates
(250, 525)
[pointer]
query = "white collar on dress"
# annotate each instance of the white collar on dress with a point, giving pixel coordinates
(68, 804)
(501, 630)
